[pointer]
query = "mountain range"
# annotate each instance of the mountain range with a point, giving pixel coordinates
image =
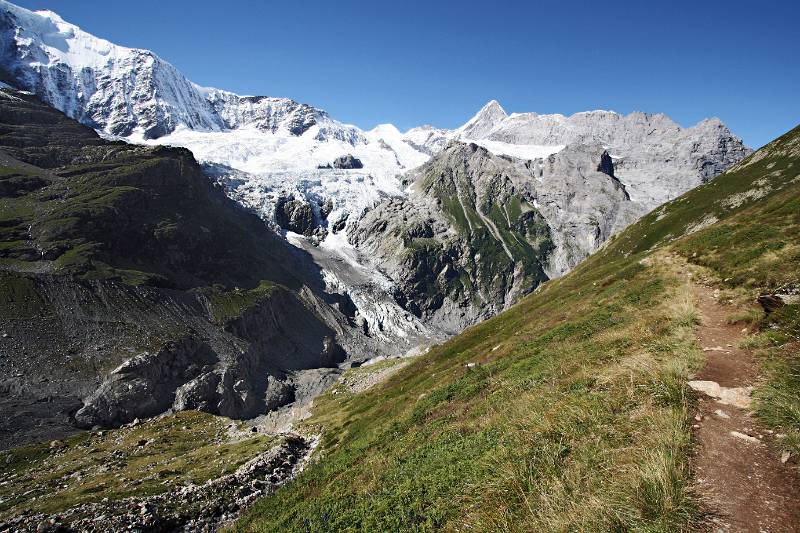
(491, 327)
(274, 155)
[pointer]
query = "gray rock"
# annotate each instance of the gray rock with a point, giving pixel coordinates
(479, 230)
(295, 215)
(654, 157)
(347, 162)
(145, 385)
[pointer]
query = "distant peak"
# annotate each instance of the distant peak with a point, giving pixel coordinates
(484, 120)
(50, 15)
(491, 111)
(713, 122)
(386, 128)
(493, 106)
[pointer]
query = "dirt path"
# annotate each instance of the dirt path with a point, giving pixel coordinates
(737, 467)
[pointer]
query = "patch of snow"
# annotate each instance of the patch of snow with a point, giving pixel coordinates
(520, 151)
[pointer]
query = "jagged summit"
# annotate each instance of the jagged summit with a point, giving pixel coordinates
(130, 92)
(484, 121)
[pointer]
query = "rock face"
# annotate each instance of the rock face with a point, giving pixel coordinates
(295, 215)
(653, 156)
(278, 115)
(280, 336)
(347, 162)
(480, 230)
(131, 285)
(145, 385)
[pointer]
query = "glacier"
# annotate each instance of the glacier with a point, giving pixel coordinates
(265, 150)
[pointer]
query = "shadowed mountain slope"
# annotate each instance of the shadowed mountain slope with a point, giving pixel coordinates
(130, 285)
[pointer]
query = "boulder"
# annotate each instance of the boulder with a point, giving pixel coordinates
(347, 162)
(295, 215)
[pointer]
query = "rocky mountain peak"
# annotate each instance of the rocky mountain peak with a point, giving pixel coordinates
(484, 121)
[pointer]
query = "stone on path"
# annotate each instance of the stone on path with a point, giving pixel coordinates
(735, 396)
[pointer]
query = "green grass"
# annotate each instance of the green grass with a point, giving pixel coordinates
(777, 347)
(101, 210)
(188, 447)
(577, 417)
(226, 305)
(570, 421)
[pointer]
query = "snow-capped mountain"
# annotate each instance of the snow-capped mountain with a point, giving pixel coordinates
(274, 146)
(130, 92)
(121, 91)
(310, 174)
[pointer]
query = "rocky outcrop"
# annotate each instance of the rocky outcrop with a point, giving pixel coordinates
(479, 230)
(145, 385)
(606, 165)
(347, 162)
(654, 157)
(295, 215)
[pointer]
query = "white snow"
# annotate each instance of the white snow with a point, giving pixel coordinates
(406, 155)
(282, 164)
(61, 41)
(521, 151)
(492, 110)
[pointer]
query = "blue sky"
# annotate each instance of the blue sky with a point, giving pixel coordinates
(436, 62)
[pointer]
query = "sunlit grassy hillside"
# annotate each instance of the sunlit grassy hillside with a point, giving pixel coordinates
(576, 415)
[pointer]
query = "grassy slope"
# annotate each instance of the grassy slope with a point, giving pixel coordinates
(753, 249)
(577, 416)
(188, 447)
(75, 204)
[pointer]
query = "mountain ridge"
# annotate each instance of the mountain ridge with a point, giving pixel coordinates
(278, 158)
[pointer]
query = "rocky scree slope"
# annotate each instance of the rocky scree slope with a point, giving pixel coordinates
(570, 410)
(131, 285)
